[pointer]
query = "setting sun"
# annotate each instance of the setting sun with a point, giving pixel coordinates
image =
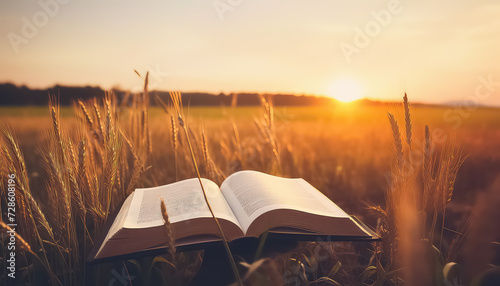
(346, 90)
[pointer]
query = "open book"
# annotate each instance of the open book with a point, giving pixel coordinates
(247, 204)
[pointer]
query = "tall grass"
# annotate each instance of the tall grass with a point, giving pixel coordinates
(176, 99)
(420, 187)
(93, 163)
(87, 174)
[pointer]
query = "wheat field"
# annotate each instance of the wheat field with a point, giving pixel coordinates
(425, 177)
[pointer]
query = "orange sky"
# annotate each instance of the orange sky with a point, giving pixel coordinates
(437, 52)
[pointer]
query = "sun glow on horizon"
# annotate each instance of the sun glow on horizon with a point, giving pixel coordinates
(346, 90)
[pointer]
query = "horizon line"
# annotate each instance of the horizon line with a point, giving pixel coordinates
(453, 103)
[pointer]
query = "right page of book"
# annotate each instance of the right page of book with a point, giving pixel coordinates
(252, 193)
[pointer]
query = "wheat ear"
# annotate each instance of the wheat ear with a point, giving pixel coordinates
(397, 140)
(88, 118)
(174, 142)
(407, 120)
(168, 231)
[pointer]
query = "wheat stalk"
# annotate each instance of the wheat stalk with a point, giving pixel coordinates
(397, 140)
(82, 155)
(99, 121)
(176, 99)
(161, 103)
(27, 204)
(174, 142)
(407, 120)
(20, 242)
(138, 165)
(427, 170)
(168, 231)
(206, 156)
(109, 177)
(108, 120)
(145, 114)
(88, 118)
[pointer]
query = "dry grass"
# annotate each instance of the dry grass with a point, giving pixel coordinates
(91, 163)
(420, 187)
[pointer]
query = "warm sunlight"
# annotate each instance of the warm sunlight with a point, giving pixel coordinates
(346, 90)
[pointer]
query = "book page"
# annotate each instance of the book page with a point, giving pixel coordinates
(118, 222)
(251, 193)
(183, 200)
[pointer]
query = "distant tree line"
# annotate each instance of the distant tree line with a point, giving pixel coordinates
(13, 95)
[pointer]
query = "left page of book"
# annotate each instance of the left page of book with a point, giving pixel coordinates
(117, 223)
(183, 200)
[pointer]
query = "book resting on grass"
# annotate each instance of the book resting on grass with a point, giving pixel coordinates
(247, 204)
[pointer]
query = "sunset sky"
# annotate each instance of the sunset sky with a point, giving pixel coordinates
(436, 51)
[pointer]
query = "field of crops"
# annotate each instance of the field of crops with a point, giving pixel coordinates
(432, 194)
